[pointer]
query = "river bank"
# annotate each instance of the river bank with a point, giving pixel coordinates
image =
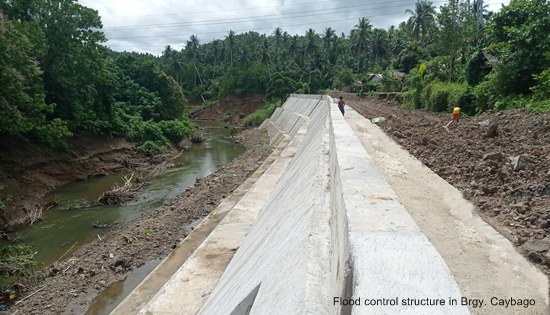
(71, 284)
(28, 173)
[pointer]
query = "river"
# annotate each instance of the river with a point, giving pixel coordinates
(72, 222)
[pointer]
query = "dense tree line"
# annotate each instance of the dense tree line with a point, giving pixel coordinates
(58, 79)
(469, 55)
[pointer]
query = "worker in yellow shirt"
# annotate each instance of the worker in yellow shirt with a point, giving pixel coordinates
(456, 113)
(455, 117)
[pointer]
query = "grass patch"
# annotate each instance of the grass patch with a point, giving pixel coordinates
(257, 117)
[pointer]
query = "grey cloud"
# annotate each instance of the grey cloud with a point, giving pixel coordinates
(200, 18)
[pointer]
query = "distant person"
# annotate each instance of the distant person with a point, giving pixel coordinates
(341, 105)
(455, 116)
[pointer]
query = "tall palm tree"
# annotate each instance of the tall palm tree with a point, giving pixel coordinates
(363, 29)
(310, 50)
(481, 13)
(360, 37)
(215, 50)
(243, 56)
(311, 43)
(328, 40)
(172, 64)
(231, 42)
(293, 48)
(278, 34)
(379, 44)
(421, 18)
(193, 46)
(265, 56)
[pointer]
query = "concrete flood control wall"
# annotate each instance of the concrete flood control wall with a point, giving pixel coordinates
(186, 289)
(320, 230)
(332, 232)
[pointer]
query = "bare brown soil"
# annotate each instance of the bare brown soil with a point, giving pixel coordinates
(479, 157)
(231, 109)
(72, 284)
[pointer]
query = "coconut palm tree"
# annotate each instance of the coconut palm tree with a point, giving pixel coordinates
(379, 44)
(361, 35)
(359, 40)
(192, 45)
(265, 55)
(481, 13)
(421, 18)
(278, 34)
(328, 41)
(231, 43)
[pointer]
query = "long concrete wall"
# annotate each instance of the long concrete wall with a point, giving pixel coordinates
(331, 228)
(279, 259)
(320, 226)
(390, 258)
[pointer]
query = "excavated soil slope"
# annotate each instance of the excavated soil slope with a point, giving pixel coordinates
(231, 109)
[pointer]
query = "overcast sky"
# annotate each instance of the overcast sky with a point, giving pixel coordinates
(150, 25)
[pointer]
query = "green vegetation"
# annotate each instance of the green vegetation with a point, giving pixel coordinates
(16, 260)
(256, 118)
(478, 59)
(57, 79)
(483, 60)
(147, 232)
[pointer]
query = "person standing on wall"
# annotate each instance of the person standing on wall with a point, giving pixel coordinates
(341, 105)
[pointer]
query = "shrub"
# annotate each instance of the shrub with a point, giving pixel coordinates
(141, 131)
(542, 88)
(175, 130)
(533, 104)
(439, 96)
(486, 94)
(467, 101)
(256, 118)
(53, 134)
(149, 148)
(16, 260)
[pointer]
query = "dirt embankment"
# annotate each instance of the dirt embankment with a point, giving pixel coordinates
(73, 283)
(500, 161)
(27, 172)
(231, 109)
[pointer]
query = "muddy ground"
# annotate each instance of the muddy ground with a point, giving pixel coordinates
(72, 284)
(231, 109)
(500, 161)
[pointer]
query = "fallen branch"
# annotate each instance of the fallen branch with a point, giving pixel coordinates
(34, 214)
(120, 194)
(28, 296)
(65, 253)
